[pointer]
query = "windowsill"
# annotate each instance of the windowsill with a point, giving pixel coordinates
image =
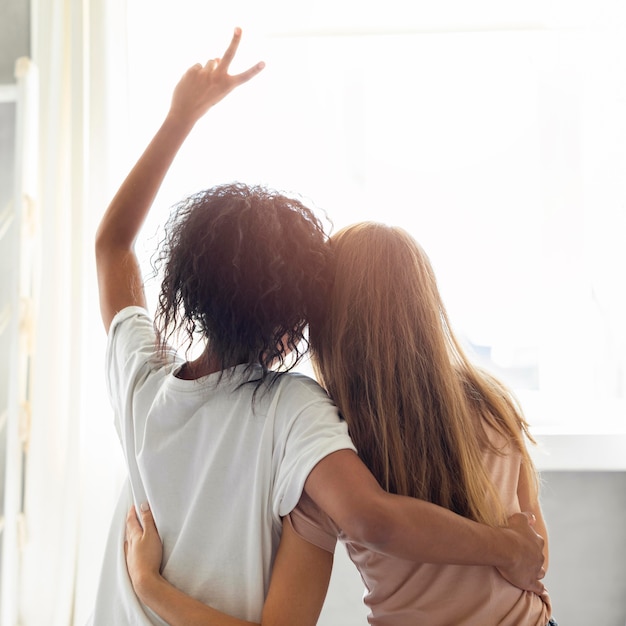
(580, 452)
(575, 433)
(576, 443)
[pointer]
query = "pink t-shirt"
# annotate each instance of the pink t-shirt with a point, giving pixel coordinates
(400, 592)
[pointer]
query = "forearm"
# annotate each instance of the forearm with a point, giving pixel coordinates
(413, 529)
(198, 90)
(408, 528)
(437, 534)
(125, 215)
(300, 576)
(179, 609)
(399, 526)
(119, 276)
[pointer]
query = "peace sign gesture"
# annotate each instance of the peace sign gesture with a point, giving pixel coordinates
(203, 86)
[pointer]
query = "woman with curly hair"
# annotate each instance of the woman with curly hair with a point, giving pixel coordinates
(223, 445)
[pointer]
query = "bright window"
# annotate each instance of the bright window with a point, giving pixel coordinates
(502, 151)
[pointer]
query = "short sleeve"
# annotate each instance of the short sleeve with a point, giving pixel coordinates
(313, 525)
(309, 429)
(130, 356)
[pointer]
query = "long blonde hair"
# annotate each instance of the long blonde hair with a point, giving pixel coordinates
(415, 406)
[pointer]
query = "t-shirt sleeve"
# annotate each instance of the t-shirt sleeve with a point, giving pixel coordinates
(313, 525)
(130, 356)
(310, 429)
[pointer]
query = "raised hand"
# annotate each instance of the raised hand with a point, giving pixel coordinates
(201, 87)
(119, 276)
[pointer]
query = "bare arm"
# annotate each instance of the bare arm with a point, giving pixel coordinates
(408, 528)
(119, 278)
(297, 590)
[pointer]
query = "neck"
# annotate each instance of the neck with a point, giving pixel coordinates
(207, 363)
(204, 365)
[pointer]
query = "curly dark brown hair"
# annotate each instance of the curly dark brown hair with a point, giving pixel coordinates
(243, 266)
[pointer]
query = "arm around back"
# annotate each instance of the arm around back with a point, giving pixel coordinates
(296, 594)
(408, 528)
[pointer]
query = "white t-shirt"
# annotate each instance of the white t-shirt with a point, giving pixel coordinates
(218, 474)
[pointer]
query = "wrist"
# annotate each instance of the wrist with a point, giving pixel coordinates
(504, 547)
(178, 121)
(148, 585)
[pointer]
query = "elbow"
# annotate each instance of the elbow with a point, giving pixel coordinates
(99, 246)
(109, 243)
(102, 243)
(371, 526)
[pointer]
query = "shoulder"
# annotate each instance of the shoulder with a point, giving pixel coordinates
(131, 336)
(128, 322)
(297, 384)
(130, 315)
(297, 393)
(132, 347)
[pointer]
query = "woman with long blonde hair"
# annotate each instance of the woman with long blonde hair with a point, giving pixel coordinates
(427, 423)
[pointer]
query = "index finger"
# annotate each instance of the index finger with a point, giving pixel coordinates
(132, 523)
(232, 49)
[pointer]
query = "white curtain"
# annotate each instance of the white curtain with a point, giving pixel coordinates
(73, 466)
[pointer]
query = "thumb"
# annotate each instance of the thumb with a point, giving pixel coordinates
(532, 520)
